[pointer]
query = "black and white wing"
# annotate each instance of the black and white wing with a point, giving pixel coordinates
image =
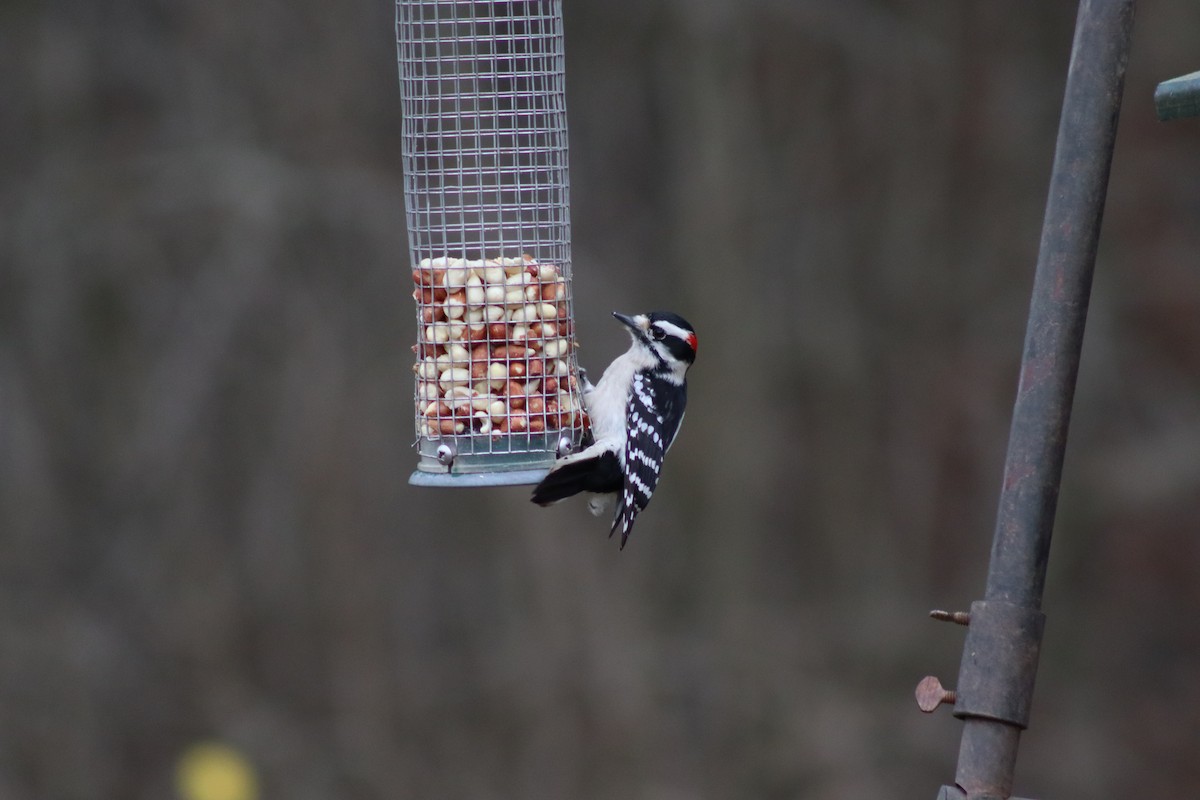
(653, 415)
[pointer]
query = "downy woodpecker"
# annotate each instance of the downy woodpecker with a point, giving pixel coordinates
(635, 410)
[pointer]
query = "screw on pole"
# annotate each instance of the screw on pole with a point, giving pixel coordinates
(1000, 655)
(957, 617)
(931, 694)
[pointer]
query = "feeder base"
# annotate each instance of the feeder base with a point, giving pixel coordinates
(469, 461)
(471, 480)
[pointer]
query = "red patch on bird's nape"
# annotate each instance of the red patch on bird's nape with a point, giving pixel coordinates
(693, 341)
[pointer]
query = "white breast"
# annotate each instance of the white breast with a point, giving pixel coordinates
(606, 402)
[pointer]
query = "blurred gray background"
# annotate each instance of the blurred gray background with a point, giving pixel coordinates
(205, 412)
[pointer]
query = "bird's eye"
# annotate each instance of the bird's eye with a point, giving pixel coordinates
(657, 334)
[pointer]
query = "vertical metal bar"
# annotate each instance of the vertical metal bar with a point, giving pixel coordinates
(1058, 310)
(1000, 655)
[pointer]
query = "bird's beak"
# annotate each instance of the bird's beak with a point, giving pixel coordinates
(634, 323)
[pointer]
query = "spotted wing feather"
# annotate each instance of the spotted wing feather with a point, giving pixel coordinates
(653, 414)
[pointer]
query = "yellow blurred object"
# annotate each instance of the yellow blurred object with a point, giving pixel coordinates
(215, 771)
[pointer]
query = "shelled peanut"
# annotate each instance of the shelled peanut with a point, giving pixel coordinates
(494, 348)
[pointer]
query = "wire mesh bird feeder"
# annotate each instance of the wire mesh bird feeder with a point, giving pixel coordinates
(486, 198)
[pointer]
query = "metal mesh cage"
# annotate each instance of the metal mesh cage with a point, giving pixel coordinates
(486, 197)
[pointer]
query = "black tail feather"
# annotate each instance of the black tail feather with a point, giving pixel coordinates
(601, 473)
(562, 482)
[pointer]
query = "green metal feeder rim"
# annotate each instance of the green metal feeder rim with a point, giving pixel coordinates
(1178, 98)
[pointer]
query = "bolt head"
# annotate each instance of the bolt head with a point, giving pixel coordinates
(930, 694)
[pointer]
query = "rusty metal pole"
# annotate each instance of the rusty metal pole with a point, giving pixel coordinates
(1000, 655)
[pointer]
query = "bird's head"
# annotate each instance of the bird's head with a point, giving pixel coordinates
(669, 337)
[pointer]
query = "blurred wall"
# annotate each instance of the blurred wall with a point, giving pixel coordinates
(205, 420)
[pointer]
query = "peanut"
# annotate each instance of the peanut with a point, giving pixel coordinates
(494, 354)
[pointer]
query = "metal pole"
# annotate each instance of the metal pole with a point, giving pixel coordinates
(1000, 655)
(1058, 311)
